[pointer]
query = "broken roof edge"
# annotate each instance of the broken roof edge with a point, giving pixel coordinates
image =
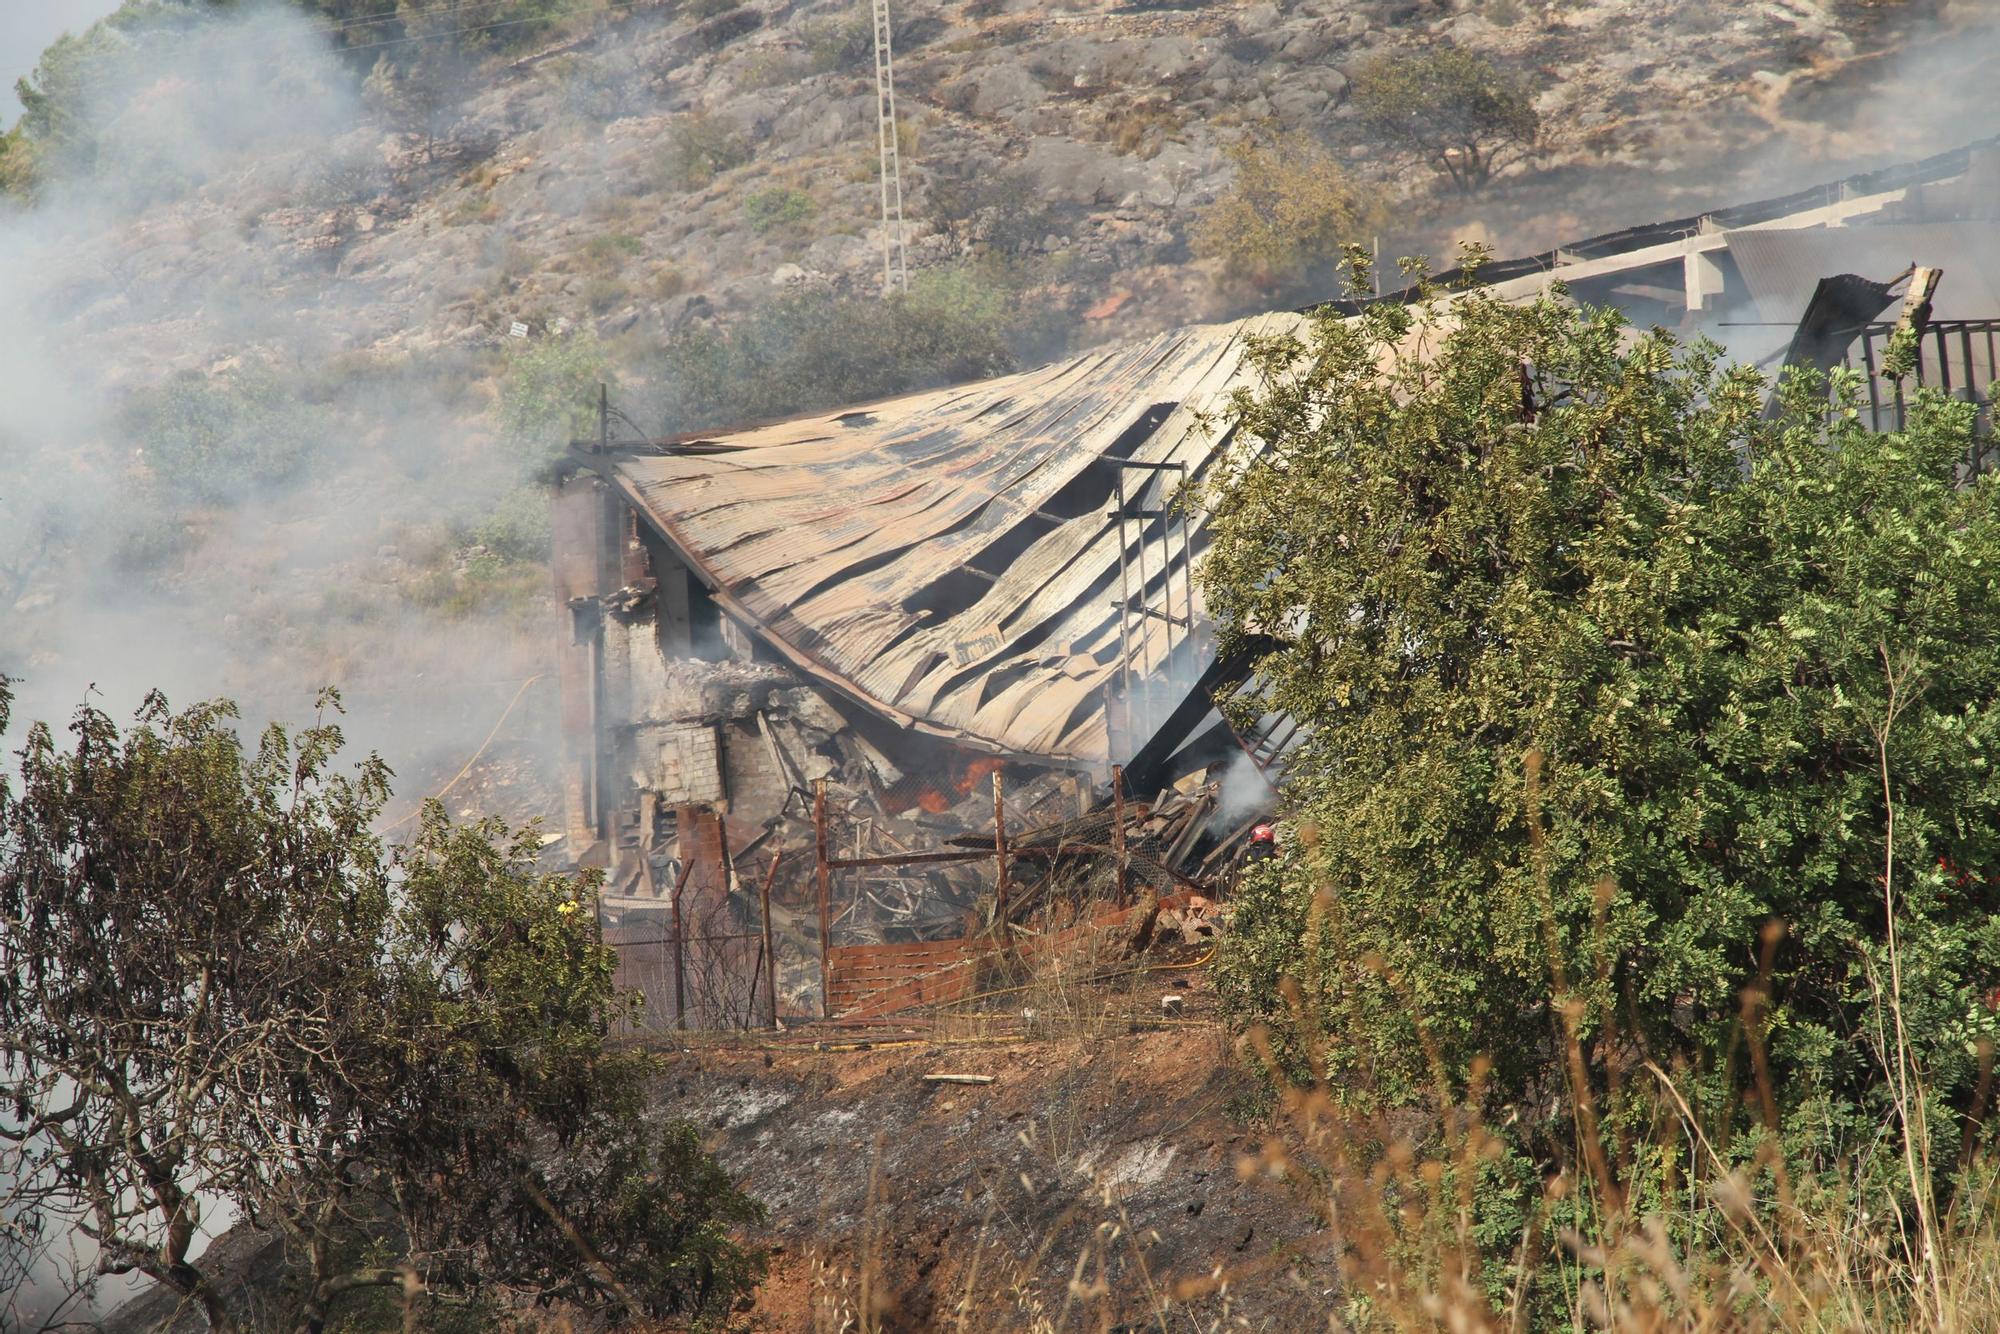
(715, 439)
(604, 466)
(1951, 163)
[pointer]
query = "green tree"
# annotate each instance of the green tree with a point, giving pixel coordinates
(453, 25)
(1604, 676)
(1451, 108)
(1286, 214)
(141, 99)
(62, 99)
(419, 93)
(222, 987)
(550, 391)
(17, 163)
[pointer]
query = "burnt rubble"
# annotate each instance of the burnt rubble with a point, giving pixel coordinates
(772, 770)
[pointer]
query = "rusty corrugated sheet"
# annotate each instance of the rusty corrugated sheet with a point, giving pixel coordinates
(846, 539)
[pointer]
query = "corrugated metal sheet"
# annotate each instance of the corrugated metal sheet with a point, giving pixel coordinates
(845, 538)
(1782, 267)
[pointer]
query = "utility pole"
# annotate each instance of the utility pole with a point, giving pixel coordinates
(895, 271)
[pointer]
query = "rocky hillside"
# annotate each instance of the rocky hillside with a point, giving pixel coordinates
(1117, 117)
(679, 162)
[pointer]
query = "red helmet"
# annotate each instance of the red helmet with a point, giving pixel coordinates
(1263, 833)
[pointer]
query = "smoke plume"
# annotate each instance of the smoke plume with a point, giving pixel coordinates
(221, 471)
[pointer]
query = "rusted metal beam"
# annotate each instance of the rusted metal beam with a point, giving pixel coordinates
(903, 859)
(1000, 858)
(680, 951)
(699, 940)
(1143, 610)
(820, 878)
(1124, 599)
(1118, 825)
(770, 953)
(1099, 849)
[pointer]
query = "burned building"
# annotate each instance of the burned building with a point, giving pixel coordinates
(851, 638)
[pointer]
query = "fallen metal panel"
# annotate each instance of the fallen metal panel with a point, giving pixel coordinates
(1783, 268)
(1895, 180)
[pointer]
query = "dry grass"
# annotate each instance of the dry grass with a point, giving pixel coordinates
(1659, 1232)
(1142, 128)
(1738, 1252)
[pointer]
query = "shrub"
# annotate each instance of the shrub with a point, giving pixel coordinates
(602, 87)
(1143, 129)
(517, 527)
(1644, 734)
(1450, 108)
(212, 440)
(769, 67)
(608, 250)
(1005, 211)
(778, 207)
(1285, 215)
(698, 148)
(840, 44)
(813, 350)
(603, 292)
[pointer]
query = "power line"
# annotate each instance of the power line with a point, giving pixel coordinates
(483, 27)
(302, 39)
(334, 26)
(397, 16)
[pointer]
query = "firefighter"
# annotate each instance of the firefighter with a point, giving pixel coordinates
(1263, 845)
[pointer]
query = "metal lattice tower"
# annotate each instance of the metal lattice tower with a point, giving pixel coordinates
(895, 271)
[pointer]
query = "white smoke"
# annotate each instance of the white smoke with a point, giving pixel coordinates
(186, 255)
(147, 256)
(1245, 792)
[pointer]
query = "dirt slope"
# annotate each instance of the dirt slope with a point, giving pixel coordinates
(1092, 1176)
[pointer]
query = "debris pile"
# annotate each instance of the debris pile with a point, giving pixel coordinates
(887, 840)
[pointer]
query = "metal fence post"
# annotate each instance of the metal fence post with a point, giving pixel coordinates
(770, 953)
(1000, 861)
(825, 912)
(1118, 826)
(680, 883)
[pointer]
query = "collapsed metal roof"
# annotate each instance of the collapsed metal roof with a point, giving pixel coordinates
(996, 563)
(979, 562)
